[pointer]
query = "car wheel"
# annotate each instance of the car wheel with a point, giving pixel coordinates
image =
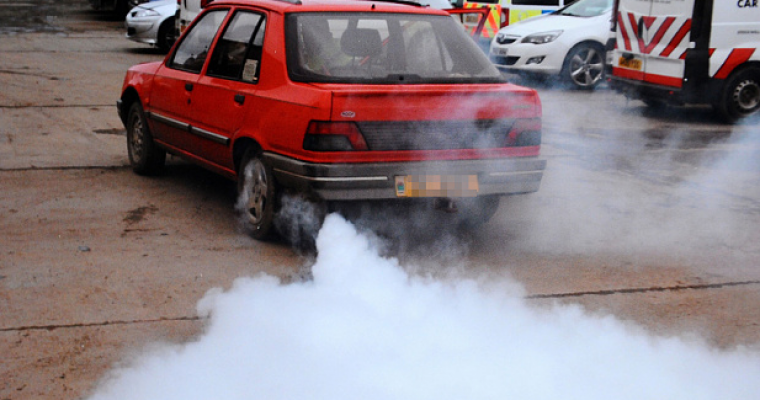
(166, 35)
(584, 66)
(740, 96)
(257, 201)
(145, 157)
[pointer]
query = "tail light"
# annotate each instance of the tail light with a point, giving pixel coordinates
(525, 132)
(333, 136)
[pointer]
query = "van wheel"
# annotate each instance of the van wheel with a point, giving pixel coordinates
(145, 157)
(257, 201)
(584, 66)
(740, 97)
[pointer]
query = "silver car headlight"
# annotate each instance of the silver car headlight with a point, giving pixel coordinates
(145, 12)
(543, 37)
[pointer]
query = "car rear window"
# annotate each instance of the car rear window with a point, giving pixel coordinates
(383, 48)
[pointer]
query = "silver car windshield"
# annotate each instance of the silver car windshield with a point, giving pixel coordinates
(383, 48)
(587, 8)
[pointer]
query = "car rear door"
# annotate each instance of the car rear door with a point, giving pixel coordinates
(223, 93)
(652, 38)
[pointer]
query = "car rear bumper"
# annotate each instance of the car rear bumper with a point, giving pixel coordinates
(377, 180)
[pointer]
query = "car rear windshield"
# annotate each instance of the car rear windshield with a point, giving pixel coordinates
(383, 48)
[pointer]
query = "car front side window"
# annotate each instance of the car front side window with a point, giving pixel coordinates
(237, 55)
(192, 52)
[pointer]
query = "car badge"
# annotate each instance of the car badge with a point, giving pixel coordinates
(348, 114)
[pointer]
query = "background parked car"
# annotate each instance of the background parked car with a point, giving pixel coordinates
(119, 7)
(569, 42)
(153, 23)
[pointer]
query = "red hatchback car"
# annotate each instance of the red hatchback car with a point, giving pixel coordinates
(343, 100)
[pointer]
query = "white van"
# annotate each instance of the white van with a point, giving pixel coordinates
(688, 52)
(187, 11)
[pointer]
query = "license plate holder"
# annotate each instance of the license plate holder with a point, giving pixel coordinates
(630, 63)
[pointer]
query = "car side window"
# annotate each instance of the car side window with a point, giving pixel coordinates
(237, 55)
(192, 52)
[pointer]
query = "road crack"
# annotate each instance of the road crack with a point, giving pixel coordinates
(93, 324)
(643, 290)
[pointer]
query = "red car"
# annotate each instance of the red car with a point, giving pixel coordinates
(343, 100)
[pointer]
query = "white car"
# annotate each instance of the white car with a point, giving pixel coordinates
(569, 42)
(153, 23)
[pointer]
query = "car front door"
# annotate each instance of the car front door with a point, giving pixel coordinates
(170, 107)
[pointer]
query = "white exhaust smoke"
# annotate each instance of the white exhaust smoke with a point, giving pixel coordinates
(365, 329)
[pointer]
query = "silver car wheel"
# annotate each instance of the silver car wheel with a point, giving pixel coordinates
(256, 189)
(586, 67)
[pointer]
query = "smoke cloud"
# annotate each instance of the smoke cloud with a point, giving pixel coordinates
(365, 328)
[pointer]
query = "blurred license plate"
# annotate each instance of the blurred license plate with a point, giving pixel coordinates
(471, 18)
(437, 186)
(630, 63)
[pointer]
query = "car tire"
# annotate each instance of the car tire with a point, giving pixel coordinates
(740, 96)
(257, 196)
(166, 35)
(145, 157)
(584, 66)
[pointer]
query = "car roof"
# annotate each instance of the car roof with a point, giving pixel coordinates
(408, 6)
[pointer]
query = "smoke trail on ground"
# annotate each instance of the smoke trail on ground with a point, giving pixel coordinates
(364, 328)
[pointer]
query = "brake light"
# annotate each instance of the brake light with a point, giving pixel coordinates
(333, 136)
(525, 132)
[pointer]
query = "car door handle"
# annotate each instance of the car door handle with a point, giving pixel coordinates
(188, 86)
(240, 99)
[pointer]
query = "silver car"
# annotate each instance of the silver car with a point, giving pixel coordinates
(153, 23)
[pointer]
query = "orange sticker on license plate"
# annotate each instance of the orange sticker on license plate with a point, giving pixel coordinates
(437, 186)
(630, 63)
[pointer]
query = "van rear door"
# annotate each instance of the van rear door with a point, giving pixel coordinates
(652, 38)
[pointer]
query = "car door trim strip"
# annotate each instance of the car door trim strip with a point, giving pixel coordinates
(214, 137)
